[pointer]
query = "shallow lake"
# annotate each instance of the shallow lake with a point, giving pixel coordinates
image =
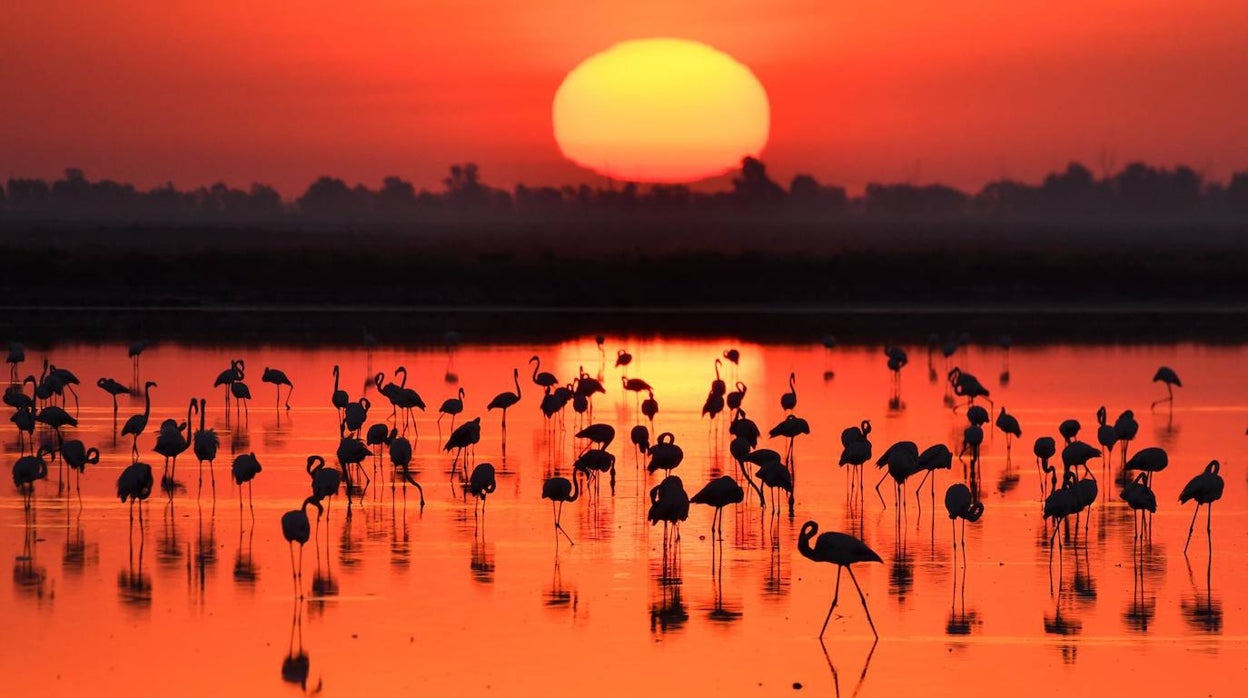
(198, 598)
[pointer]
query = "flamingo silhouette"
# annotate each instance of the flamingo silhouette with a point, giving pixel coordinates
(452, 406)
(842, 550)
(278, 378)
(504, 400)
(135, 484)
(1166, 375)
(558, 490)
(135, 425)
(719, 493)
(246, 467)
(114, 389)
(789, 400)
(1206, 488)
(961, 505)
(206, 443)
(297, 529)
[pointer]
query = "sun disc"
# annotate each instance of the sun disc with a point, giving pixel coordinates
(660, 110)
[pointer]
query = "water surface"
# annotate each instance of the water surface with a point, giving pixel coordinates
(198, 599)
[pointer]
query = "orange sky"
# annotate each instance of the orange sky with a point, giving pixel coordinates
(960, 91)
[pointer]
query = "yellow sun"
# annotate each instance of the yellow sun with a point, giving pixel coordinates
(660, 110)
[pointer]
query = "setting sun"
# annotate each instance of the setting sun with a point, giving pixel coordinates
(660, 110)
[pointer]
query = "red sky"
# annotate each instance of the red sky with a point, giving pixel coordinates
(960, 91)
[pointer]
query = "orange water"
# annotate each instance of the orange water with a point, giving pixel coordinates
(199, 599)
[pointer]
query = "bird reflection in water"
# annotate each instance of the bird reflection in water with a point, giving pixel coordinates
(557, 595)
(168, 547)
(75, 556)
(134, 585)
(1143, 607)
(29, 577)
(246, 571)
(668, 612)
(777, 582)
(296, 665)
(862, 676)
(482, 561)
(1063, 625)
(1202, 610)
(901, 568)
(721, 612)
(400, 538)
(205, 554)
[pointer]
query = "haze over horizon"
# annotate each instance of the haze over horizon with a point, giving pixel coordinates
(198, 93)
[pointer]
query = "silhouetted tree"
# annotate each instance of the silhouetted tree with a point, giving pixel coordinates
(934, 200)
(754, 187)
(1074, 191)
(1007, 198)
(806, 193)
(331, 198)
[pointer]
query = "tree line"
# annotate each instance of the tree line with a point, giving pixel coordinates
(1137, 193)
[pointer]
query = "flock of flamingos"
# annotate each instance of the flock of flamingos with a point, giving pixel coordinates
(1065, 494)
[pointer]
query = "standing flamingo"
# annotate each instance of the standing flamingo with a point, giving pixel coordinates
(452, 406)
(246, 467)
(961, 505)
(623, 358)
(504, 400)
(137, 423)
(114, 389)
(278, 378)
(1205, 488)
(481, 483)
(135, 484)
(789, 400)
(544, 379)
(558, 490)
(719, 493)
(842, 550)
(1166, 375)
(339, 397)
(297, 529)
(206, 443)
(77, 456)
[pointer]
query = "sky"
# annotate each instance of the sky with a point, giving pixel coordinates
(959, 91)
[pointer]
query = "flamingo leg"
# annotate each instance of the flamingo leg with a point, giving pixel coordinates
(1191, 528)
(863, 598)
(835, 597)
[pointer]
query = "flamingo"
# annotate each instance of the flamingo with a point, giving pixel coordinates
(961, 505)
(504, 400)
(56, 418)
(135, 484)
(325, 480)
(596, 460)
(452, 406)
(713, 406)
(481, 483)
(1069, 429)
(24, 420)
(351, 451)
(1148, 460)
(67, 379)
(545, 379)
(228, 376)
(1105, 434)
(623, 358)
(246, 467)
(842, 550)
(1166, 375)
(17, 354)
(1205, 488)
(665, 455)
(743, 427)
(113, 388)
(242, 394)
(650, 407)
(790, 428)
(789, 400)
(1139, 496)
(170, 443)
(669, 503)
(734, 398)
(558, 490)
(28, 469)
(465, 435)
(902, 461)
(933, 458)
(600, 434)
(77, 456)
(640, 436)
(719, 493)
(278, 378)
(206, 443)
(137, 423)
(15, 395)
(356, 414)
(297, 529)
(718, 387)
(967, 386)
(1125, 428)
(135, 350)
(856, 449)
(1044, 449)
(637, 386)
(339, 397)
(401, 460)
(1008, 424)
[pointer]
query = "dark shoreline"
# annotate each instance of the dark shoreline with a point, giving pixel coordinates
(428, 327)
